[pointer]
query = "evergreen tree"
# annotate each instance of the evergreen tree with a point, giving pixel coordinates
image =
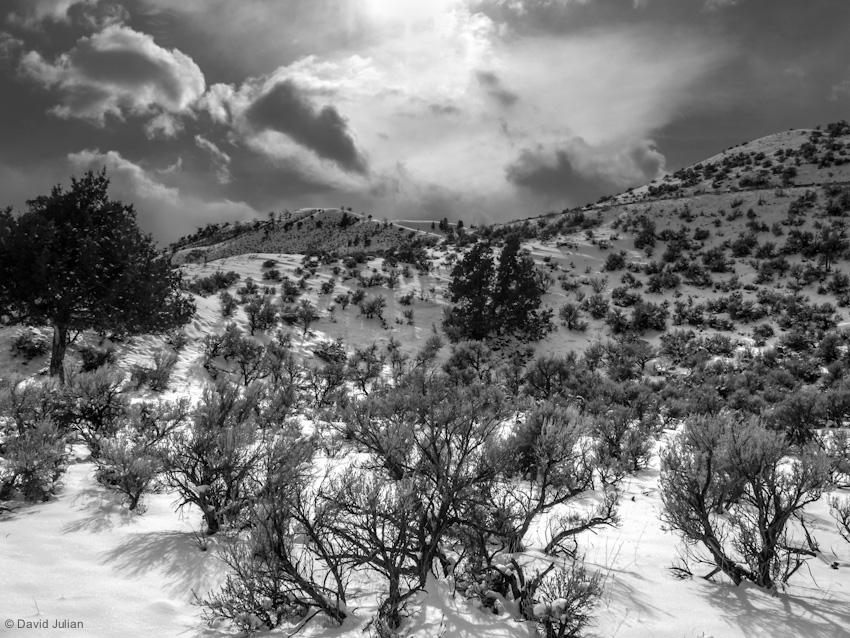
(490, 299)
(77, 260)
(470, 289)
(516, 296)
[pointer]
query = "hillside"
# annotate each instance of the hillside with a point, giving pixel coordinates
(710, 304)
(299, 232)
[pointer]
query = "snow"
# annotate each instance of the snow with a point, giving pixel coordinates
(84, 557)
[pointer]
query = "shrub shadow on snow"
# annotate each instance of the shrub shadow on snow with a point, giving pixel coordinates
(104, 511)
(807, 612)
(173, 555)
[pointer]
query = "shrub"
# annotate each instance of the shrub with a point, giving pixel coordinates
(272, 275)
(570, 316)
(262, 314)
(93, 403)
(565, 599)
(615, 261)
(274, 579)
(93, 357)
(228, 303)
(647, 315)
(719, 464)
(129, 466)
(157, 377)
(596, 305)
(29, 344)
(206, 286)
(213, 463)
(374, 307)
(35, 459)
(327, 287)
(331, 351)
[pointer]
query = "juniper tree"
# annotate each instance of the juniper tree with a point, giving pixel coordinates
(76, 260)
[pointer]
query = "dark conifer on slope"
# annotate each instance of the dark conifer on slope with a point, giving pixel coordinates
(77, 260)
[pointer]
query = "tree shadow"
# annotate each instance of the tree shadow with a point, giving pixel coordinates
(174, 555)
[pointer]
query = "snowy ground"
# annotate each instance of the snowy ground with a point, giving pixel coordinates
(83, 558)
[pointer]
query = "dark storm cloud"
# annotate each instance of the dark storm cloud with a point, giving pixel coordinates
(287, 110)
(493, 85)
(579, 173)
(555, 179)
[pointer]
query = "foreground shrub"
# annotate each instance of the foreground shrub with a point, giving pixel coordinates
(129, 466)
(93, 403)
(213, 462)
(732, 488)
(564, 601)
(35, 458)
(273, 579)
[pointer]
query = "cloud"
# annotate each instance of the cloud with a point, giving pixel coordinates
(164, 126)
(163, 210)
(721, 4)
(221, 160)
(493, 85)
(118, 71)
(579, 173)
(286, 109)
(31, 13)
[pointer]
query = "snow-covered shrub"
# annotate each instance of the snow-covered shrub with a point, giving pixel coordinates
(564, 601)
(35, 458)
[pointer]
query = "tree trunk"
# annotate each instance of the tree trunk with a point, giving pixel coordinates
(57, 354)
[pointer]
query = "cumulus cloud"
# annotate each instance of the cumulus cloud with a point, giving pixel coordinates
(580, 173)
(285, 109)
(118, 71)
(163, 210)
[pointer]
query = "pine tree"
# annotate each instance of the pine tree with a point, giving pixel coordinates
(471, 290)
(516, 297)
(77, 260)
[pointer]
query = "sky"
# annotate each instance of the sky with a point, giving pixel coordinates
(205, 111)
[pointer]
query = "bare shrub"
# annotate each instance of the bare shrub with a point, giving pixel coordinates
(732, 488)
(213, 463)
